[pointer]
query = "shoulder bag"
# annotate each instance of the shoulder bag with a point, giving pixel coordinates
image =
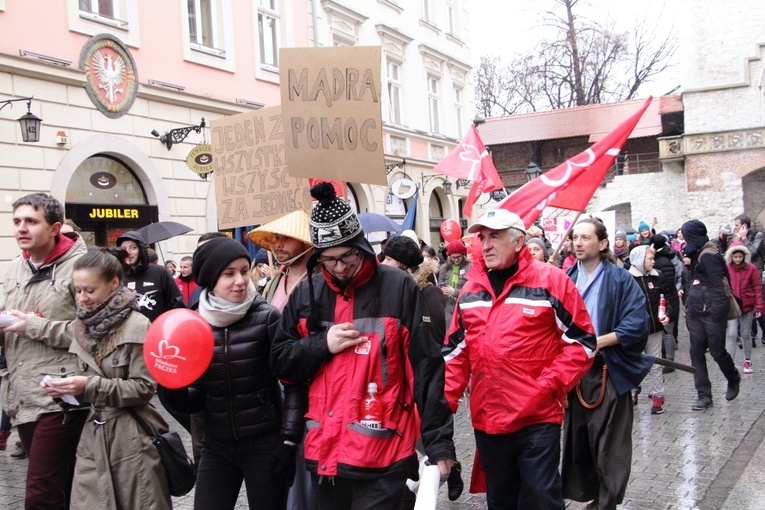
(179, 468)
(734, 310)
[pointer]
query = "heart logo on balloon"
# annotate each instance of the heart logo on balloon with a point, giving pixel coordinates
(165, 345)
(178, 348)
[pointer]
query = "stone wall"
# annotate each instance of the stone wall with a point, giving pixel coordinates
(645, 196)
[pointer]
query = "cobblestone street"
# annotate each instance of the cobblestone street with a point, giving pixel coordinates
(682, 459)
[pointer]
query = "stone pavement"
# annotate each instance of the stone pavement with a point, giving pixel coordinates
(682, 459)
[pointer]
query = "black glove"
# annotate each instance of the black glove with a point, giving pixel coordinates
(283, 462)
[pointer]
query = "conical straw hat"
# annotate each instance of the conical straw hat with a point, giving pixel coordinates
(294, 224)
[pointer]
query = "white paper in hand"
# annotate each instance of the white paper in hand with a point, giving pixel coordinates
(427, 494)
(69, 399)
(7, 319)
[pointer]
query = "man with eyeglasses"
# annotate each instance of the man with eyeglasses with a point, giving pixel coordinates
(354, 324)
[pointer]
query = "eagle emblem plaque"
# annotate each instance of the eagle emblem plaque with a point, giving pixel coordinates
(111, 79)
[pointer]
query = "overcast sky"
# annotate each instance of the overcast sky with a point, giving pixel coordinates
(504, 27)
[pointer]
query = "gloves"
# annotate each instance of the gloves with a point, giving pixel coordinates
(283, 461)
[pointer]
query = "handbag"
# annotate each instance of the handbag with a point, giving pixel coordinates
(734, 309)
(179, 468)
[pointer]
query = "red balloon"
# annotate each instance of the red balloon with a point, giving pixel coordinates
(451, 230)
(178, 348)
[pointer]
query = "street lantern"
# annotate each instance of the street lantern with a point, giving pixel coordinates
(447, 185)
(29, 122)
(532, 172)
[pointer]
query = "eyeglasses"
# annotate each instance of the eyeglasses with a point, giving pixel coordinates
(347, 258)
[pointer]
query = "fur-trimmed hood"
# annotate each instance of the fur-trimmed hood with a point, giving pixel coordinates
(737, 246)
(426, 273)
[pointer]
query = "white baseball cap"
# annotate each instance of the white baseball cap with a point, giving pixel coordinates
(498, 219)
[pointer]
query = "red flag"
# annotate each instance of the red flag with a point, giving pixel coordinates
(572, 184)
(470, 160)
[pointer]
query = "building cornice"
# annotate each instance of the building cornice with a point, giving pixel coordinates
(76, 77)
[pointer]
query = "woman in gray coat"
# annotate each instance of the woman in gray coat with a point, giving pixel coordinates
(117, 465)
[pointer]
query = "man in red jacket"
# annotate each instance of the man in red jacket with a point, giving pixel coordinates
(353, 324)
(185, 281)
(522, 337)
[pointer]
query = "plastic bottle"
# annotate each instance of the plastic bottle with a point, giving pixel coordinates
(662, 307)
(371, 408)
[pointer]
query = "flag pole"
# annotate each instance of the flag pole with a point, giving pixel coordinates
(554, 256)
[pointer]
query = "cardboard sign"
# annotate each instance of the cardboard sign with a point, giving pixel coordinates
(252, 184)
(331, 102)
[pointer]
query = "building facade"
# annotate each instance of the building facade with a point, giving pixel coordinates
(115, 80)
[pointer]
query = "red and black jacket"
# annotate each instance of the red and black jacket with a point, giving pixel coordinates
(402, 357)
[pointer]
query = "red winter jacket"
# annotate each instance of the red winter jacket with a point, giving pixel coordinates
(186, 288)
(521, 351)
(402, 357)
(745, 280)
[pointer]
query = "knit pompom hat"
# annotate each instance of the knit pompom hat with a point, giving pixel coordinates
(333, 222)
(213, 257)
(643, 226)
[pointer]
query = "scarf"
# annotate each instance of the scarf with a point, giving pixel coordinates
(621, 252)
(95, 325)
(221, 313)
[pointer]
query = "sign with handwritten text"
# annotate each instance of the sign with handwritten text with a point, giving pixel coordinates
(252, 183)
(331, 101)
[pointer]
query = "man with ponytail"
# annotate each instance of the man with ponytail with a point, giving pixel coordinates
(352, 324)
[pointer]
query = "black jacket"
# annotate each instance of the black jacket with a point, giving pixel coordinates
(706, 292)
(663, 264)
(238, 392)
(156, 291)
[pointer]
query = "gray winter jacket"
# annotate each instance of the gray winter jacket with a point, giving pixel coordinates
(44, 348)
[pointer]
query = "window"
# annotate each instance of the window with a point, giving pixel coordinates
(433, 104)
(451, 17)
(104, 8)
(203, 30)
(103, 11)
(394, 93)
(268, 28)
(458, 109)
(92, 17)
(427, 10)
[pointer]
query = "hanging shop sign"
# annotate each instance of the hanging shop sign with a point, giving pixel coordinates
(403, 188)
(200, 159)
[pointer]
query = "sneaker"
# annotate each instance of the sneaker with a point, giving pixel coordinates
(702, 404)
(19, 453)
(748, 367)
(733, 388)
(658, 405)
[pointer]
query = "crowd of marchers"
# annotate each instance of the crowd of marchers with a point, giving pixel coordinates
(549, 346)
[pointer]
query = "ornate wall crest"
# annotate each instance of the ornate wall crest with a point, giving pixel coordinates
(111, 79)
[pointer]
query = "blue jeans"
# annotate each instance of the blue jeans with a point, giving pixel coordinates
(223, 466)
(522, 468)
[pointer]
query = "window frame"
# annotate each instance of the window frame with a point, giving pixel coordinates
(394, 83)
(434, 116)
(458, 108)
(273, 11)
